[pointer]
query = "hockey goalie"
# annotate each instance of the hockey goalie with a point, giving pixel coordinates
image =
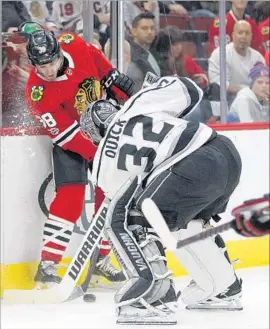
(147, 150)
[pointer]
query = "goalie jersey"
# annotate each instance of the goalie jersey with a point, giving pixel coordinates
(147, 135)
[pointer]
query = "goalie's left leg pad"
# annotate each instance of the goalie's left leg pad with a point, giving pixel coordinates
(206, 264)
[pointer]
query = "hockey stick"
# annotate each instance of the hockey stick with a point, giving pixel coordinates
(78, 291)
(156, 220)
(60, 292)
(81, 290)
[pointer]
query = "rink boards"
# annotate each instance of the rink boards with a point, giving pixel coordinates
(25, 164)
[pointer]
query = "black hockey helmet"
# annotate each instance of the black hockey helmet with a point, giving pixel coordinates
(42, 47)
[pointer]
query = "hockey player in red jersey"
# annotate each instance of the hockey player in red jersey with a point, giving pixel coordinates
(235, 14)
(68, 74)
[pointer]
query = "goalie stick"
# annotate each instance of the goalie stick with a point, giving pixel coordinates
(156, 220)
(62, 291)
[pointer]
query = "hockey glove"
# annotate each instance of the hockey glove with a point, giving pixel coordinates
(252, 218)
(116, 80)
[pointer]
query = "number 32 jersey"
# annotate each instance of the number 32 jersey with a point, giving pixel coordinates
(147, 136)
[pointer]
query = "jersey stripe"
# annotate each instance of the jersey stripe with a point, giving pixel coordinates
(65, 136)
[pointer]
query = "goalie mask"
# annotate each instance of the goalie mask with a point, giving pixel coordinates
(96, 119)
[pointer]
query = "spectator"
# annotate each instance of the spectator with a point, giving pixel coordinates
(67, 15)
(267, 57)
(260, 10)
(264, 29)
(235, 14)
(252, 103)
(38, 11)
(199, 8)
(102, 17)
(134, 8)
(172, 7)
(127, 55)
(142, 61)
(13, 14)
(168, 49)
(240, 58)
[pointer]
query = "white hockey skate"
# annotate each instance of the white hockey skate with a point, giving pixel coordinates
(145, 315)
(229, 300)
(159, 313)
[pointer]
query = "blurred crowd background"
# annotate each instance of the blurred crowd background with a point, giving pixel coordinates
(162, 37)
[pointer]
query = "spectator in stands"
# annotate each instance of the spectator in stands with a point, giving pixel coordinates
(267, 57)
(264, 29)
(67, 15)
(126, 55)
(200, 8)
(172, 7)
(240, 58)
(13, 14)
(38, 11)
(259, 10)
(168, 49)
(252, 103)
(235, 14)
(169, 52)
(134, 8)
(142, 61)
(102, 18)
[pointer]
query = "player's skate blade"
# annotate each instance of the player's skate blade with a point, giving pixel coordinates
(130, 315)
(229, 300)
(233, 305)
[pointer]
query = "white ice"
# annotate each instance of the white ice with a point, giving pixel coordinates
(101, 314)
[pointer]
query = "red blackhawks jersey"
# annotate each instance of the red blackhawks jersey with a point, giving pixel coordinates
(230, 21)
(264, 29)
(58, 104)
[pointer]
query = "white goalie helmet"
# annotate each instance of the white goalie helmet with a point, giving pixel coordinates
(96, 119)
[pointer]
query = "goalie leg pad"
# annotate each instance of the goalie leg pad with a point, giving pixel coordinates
(155, 255)
(137, 268)
(206, 264)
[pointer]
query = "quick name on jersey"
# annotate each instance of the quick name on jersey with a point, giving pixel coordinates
(113, 137)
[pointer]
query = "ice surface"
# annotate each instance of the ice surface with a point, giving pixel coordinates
(101, 314)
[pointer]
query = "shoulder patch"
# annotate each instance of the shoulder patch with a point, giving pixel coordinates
(265, 30)
(37, 93)
(67, 38)
(216, 23)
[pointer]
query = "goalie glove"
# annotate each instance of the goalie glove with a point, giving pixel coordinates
(252, 218)
(118, 86)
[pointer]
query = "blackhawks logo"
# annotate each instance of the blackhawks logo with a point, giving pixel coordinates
(37, 93)
(66, 38)
(89, 91)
